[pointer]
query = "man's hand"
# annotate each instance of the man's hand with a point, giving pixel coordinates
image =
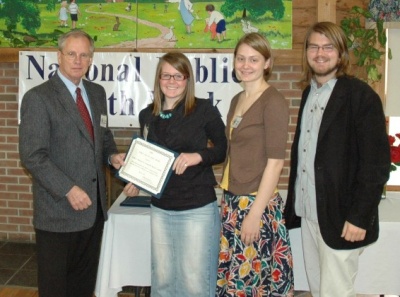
(78, 198)
(117, 160)
(353, 233)
(130, 190)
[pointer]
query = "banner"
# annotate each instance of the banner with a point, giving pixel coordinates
(128, 79)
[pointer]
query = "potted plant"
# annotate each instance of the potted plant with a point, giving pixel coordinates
(367, 40)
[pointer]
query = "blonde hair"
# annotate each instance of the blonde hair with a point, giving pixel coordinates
(261, 45)
(182, 64)
(336, 35)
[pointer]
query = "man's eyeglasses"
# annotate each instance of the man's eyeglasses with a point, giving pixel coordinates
(177, 77)
(313, 48)
(72, 56)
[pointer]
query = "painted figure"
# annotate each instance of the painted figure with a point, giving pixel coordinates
(185, 8)
(217, 18)
(74, 11)
(63, 14)
(212, 29)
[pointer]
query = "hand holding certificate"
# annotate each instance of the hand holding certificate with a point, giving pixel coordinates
(147, 166)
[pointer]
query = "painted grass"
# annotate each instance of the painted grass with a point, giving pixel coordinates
(99, 22)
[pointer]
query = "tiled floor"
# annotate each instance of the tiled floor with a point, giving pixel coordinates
(18, 268)
(17, 264)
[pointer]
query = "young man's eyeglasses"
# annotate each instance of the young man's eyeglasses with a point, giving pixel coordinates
(313, 48)
(177, 77)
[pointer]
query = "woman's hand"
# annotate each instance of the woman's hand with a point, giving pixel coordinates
(130, 190)
(185, 160)
(250, 229)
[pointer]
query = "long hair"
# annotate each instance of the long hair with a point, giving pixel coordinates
(261, 45)
(182, 64)
(75, 34)
(336, 35)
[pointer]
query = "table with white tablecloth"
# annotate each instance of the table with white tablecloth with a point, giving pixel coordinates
(125, 250)
(125, 258)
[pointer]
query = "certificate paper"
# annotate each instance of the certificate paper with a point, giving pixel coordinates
(147, 166)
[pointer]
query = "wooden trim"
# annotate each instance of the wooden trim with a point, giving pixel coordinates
(282, 57)
(9, 54)
(326, 10)
(393, 188)
(18, 291)
(386, 25)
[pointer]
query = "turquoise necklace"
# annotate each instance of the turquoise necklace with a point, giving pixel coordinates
(166, 116)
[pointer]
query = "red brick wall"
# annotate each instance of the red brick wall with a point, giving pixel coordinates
(15, 184)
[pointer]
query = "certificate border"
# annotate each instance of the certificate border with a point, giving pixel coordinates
(154, 191)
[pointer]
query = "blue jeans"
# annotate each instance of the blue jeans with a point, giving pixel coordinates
(184, 251)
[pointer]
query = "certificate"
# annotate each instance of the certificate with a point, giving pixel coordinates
(147, 166)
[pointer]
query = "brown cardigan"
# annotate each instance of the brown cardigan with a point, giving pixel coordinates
(262, 134)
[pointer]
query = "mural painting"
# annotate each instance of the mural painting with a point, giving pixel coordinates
(146, 23)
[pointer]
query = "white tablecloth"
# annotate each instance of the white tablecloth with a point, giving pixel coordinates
(125, 253)
(125, 250)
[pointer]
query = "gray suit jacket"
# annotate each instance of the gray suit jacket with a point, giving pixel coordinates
(56, 148)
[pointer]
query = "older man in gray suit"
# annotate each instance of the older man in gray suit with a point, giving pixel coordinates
(65, 156)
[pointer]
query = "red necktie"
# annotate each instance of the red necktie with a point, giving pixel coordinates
(84, 112)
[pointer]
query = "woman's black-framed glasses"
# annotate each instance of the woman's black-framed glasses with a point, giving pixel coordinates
(177, 77)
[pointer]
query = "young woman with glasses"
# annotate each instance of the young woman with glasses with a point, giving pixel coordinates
(185, 222)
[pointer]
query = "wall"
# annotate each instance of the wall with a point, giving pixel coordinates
(15, 184)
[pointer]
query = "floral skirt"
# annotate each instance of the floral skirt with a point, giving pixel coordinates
(264, 268)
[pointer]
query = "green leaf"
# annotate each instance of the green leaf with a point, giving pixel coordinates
(367, 44)
(382, 38)
(374, 53)
(240, 284)
(373, 73)
(357, 9)
(370, 34)
(367, 14)
(361, 59)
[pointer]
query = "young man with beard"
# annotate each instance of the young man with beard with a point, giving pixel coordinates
(340, 161)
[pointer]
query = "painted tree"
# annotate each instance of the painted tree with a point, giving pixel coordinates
(25, 12)
(255, 8)
(51, 5)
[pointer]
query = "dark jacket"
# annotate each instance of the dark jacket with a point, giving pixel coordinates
(351, 164)
(189, 134)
